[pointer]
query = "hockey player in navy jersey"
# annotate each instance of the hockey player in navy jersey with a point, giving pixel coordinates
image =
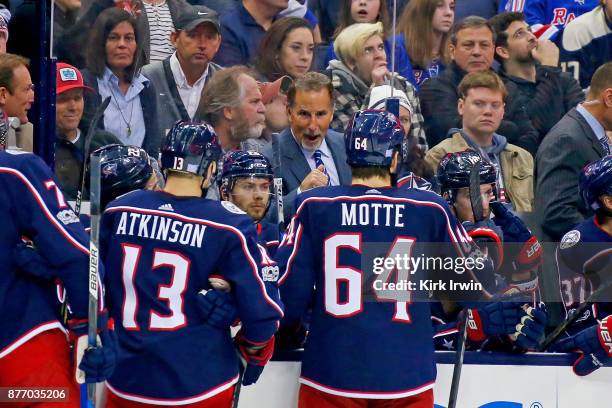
(517, 251)
(548, 17)
(34, 348)
(369, 343)
(585, 252)
(161, 248)
(246, 181)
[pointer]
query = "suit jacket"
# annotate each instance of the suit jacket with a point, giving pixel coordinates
(564, 151)
(293, 167)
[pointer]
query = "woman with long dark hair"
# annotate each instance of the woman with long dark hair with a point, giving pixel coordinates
(424, 27)
(114, 58)
(286, 49)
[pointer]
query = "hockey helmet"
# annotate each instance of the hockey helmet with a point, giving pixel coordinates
(122, 169)
(190, 147)
(371, 138)
(241, 163)
(596, 180)
(454, 171)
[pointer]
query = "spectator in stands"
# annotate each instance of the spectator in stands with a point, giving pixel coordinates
(114, 59)
(274, 98)
(16, 98)
(311, 154)
(481, 107)
(299, 8)
(481, 8)
(65, 15)
(371, 12)
(579, 138)
(5, 17)
(328, 15)
(231, 103)
(531, 65)
(587, 43)
(243, 28)
(471, 49)
(70, 140)
(180, 78)
(413, 155)
(286, 49)
(361, 63)
(425, 25)
(155, 21)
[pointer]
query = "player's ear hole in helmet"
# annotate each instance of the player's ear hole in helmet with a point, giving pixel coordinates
(373, 141)
(122, 169)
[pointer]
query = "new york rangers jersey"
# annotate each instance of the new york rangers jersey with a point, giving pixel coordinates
(33, 206)
(547, 17)
(586, 44)
(370, 335)
(584, 249)
(161, 250)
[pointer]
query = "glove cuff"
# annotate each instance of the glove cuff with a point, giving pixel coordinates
(255, 353)
(475, 331)
(604, 335)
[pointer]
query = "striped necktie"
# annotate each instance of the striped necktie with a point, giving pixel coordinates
(319, 162)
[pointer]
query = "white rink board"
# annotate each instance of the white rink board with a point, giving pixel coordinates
(482, 386)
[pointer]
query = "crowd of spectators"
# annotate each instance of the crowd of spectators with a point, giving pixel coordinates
(531, 92)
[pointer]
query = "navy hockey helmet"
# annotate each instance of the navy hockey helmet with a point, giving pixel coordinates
(454, 170)
(241, 163)
(596, 180)
(122, 169)
(190, 147)
(371, 138)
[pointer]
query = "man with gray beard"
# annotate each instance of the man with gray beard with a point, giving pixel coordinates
(231, 103)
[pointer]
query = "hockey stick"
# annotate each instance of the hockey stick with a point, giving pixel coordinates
(90, 131)
(93, 264)
(452, 398)
(476, 201)
(554, 335)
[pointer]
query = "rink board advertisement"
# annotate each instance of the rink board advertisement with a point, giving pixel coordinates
(488, 381)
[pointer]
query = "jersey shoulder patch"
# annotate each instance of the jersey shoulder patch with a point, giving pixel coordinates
(570, 239)
(231, 207)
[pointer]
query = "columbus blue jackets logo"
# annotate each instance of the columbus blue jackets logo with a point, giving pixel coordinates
(570, 239)
(67, 217)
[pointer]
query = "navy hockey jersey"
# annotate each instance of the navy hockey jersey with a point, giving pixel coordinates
(586, 44)
(32, 205)
(365, 339)
(547, 17)
(586, 247)
(268, 236)
(160, 250)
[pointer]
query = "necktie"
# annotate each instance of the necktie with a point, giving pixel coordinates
(605, 143)
(319, 162)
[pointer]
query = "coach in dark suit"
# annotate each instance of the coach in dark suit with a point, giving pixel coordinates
(308, 154)
(578, 139)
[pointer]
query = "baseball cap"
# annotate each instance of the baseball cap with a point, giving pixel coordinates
(379, 95)
(270, 90)
(67, 78)
(192, 16)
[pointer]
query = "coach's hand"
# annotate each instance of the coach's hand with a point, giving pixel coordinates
(316, 178)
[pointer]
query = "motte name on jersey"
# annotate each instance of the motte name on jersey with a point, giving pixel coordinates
(375, 214)
(161, 228)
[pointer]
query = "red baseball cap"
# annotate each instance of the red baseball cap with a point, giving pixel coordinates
(67, 78)
(270, 90)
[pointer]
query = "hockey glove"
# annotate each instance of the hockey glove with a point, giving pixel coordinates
(93, 364)
(498, 318)
(217, 308)
(530, 331)
(255, 357)
(290, 337)
(27, 259)
(595, 344)
(524, 252)
(488, 237)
